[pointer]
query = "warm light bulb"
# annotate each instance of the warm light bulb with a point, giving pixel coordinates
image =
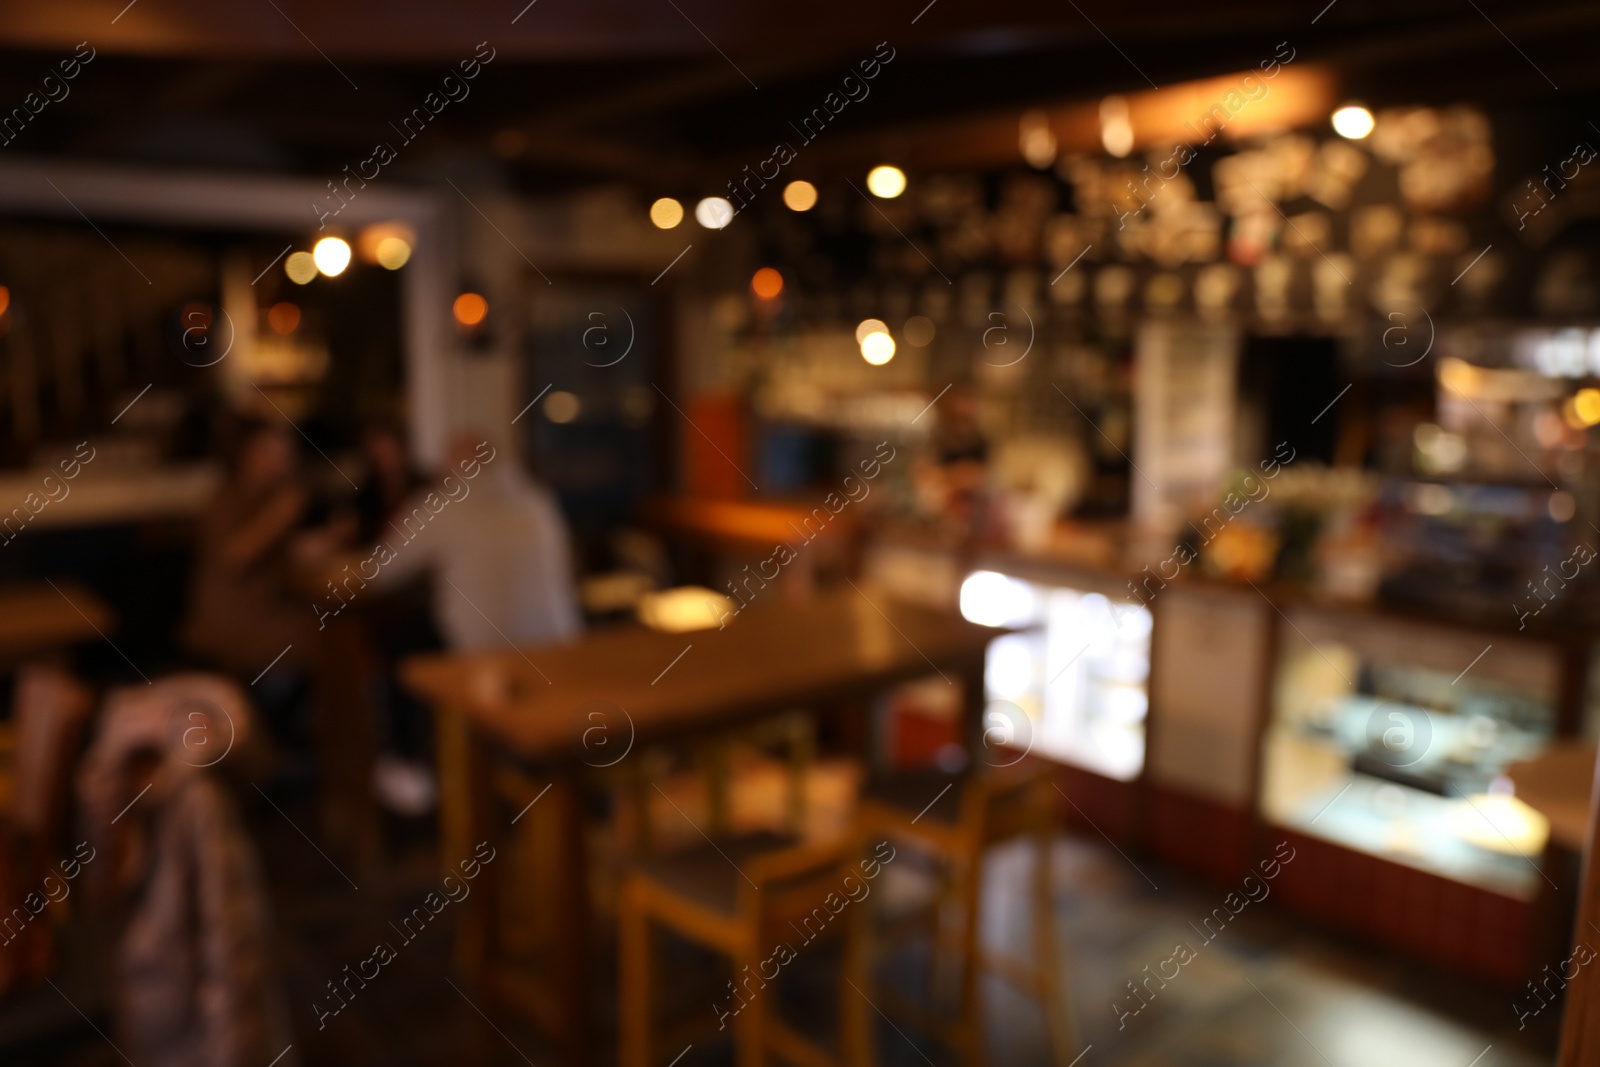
(666, 213)
(1353, 121)
(385, 243)
(800, 196)
(301, 267)
(470, 309)
(886, 182)
(1116, 127)
(1587, 405)
(561, 407)
(332, 255)
(1037, 140)
(877, 348)
(283, 317)
(392, 253)
(866, 326)
(713, 212)
(767, 283)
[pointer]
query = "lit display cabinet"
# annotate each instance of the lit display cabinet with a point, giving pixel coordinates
(1391, 737)
(1072, 684)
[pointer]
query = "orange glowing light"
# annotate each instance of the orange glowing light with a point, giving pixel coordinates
(283, 317)
(5, 299)
(767, 283)
(470, 309)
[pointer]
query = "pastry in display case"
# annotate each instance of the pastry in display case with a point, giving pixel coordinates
(1392, 738)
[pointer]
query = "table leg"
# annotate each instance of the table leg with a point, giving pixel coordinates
(344, 741)
(969, 676)
(573, 945)
(465, 801)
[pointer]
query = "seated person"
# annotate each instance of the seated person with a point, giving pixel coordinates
(242, 613)
(500, 559)
(390, 480)
(499, 553)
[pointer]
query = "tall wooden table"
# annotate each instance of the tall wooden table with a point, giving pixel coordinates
(538, 706)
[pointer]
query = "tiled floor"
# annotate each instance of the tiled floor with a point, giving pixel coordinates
(1266, 991)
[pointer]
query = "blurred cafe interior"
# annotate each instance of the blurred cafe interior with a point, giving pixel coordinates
(686, 534)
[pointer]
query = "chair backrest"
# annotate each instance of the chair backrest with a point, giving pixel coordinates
(51, 709)
(1005, 802)
(788, 884)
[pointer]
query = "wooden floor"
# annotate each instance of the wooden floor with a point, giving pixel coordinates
(1263, 992)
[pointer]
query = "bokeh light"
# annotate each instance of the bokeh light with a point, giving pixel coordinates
(886, 182)
(283, 317)
(800, 196)
(331, 255)
(388, 244)
(877, 348)
(666, 213)
(393, 253)
(767, 283)
(1353, 121)
(866, 326)
(470, 309)
(713, 212)
(561, 406)
(1587, 406)
(300, 267)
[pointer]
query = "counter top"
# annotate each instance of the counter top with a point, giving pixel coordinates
(1097, 556)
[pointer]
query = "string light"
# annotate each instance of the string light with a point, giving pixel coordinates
(767, 283)
(877, 348)
(300, 267)
(331, 255)
(799, 196)
(666, 213)
(1353, 121)
(886, 182)
(470, 309)
(713, 212)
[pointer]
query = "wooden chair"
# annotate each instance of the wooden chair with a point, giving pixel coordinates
(951, 822)
(741, 898)
(792, 734)
(51, 708)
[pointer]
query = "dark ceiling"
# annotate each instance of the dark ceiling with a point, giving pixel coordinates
(636, 89)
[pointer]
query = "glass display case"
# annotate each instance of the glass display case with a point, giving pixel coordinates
(1072, 684)
(1392, 738)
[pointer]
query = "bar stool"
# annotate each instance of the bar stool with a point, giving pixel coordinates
(741, 896)
(791, 733)
(952, 821)
(743, 899)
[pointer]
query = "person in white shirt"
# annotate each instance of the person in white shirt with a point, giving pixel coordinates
(498, 550)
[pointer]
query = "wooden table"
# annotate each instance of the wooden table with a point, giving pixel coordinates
(37, 618)
(535, 705)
